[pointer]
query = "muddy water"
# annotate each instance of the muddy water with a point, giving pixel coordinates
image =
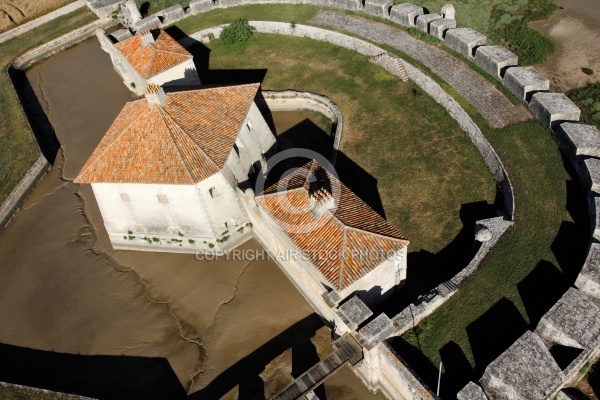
(576, 30)
(91, 320)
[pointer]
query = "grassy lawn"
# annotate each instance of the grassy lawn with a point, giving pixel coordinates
(425, 166)
(588, 99)
(31, 10)
(18, 148)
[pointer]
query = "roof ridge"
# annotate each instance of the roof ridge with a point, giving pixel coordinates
(87, 166)
(148, 71)
(263, 194)
(165, 112)
(343, 254)
(162, 113)
(173, 52)
(375, 233)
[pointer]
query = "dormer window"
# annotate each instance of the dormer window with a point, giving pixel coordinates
(162, 199)
(214, 192)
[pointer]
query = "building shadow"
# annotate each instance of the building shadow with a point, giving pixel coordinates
(246, 372)
(201, 54)
(413, 356)
(494, 332)
(38, 120)
(104, 377)
(593, 378)
(427, 270)
(457, 370)
(541, 289)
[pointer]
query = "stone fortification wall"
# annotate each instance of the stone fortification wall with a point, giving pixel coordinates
(65, 41)
(18, 195)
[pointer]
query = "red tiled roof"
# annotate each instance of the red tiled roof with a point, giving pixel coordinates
(343, 244)
(154, 58)
(183, 141)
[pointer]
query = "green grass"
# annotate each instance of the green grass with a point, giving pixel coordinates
(24, 393)
(421, 159)
(587, 99)
(18, 148)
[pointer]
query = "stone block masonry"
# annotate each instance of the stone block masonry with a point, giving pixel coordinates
(424, 20)
(578, 140)
(495, 60)
(553, 108)
(524, 82)
(464, 41)
(439, 27)
(592, 167)
(173, 14)
(471, 392)
(405, 14)
(380, 8)
(595, 220)
(588, 280)
(201, 6)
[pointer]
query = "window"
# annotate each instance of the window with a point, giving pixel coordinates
(237, 149)
(214, 192)
(249, 125)
(125, 197)
(162, 199)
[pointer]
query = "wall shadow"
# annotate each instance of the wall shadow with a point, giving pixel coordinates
(541, 289)
(494, 332)
(246, 372)
(426, 270)
(593, 378)
(457, 371)
(105, 377)
(417, 361)
(37, 118)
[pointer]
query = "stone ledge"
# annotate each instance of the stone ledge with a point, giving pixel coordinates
(405, 14)
(578, 140)
(524, 82)
(495, 60)
(439, 27)
(464, 41)
(553, 108)
(424, 20)
(588, 280)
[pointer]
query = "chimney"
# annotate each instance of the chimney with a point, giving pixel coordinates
(146, 37)
(155, 94)
(320, 193)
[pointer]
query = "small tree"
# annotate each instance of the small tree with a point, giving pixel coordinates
(238, 31)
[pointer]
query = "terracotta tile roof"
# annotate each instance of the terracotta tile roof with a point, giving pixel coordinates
(164, 53)
(181, 142)
(344, 244)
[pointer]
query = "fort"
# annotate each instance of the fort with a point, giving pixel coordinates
(573, 322)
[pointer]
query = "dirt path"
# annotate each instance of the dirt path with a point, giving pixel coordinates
(576, 30)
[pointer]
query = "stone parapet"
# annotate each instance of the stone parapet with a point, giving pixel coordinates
(405, 14)
(173, 14)
(524, 82)
(201, 6)
(424, 20)
(553, 108)
(495, 60)
(578, 140)
(471, 391)
(588, 280)
(592, 174)
(439, 27)
(380, 8)
(464, 41)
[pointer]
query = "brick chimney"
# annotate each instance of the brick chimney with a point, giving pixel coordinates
(146, 37)
(320, 192)
(155, 94)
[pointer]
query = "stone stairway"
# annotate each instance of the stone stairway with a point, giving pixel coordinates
(392, 63)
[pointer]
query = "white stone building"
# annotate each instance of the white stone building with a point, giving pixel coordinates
(329, 242)
(165, 174)
(150, 57)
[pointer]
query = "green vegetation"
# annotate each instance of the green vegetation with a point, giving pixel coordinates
(238, 31)
(588, 99)
(18, 148)
(587, 71)
(25, 393)
(426, 37)
(504, 22)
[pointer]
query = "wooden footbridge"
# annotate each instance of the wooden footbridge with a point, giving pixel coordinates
(347, 350)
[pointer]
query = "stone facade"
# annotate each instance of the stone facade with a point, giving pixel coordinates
(354, 312)
(424, 20)
(588, 280)
(405, 14)
(173, 14)
(464, 41)
(201, 6)
(439, 27)
(553, 108)
(525, 371)
(524, 82)
(103, 8)
(495, 60)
